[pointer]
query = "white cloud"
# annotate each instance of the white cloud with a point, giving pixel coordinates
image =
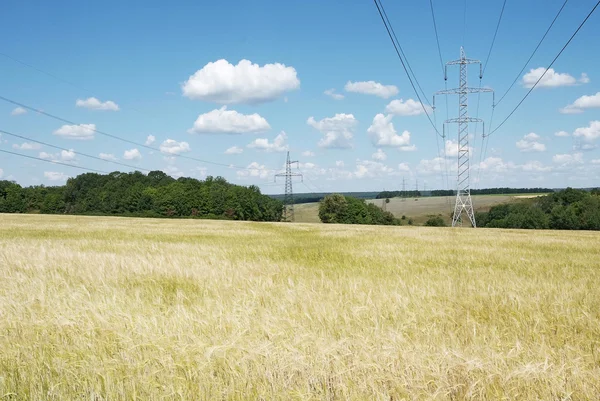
(27, 146)
(234, 150)
(308, 153)
(595, 161)
(535, 166)
(172, 147)
(369, 169)
(107, 156)
(1, 173)
(150, 140)
(562, 134)
(383, 133)
(552, 79)
(590, 133)
(434, 166)
(132, 154)
(254, 170)
(223, 121)
(278, 144)
(225, 83)
(379, 155)
(67, 155)
(94, 104)
(339, 163)
(409, 108)
(331, 93)
(403, 167)
(496, 165)
(55, 176)
(173, 171)
(451, 148)
(372, 88)
(80, 132)
(337, 130)
(529, 143)
(568, 158)
(584, 78)
(18, 111)
(584, 102)
(46, 156)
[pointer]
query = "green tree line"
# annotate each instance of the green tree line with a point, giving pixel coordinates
(135, 194)
(337, 208)
(569, 209)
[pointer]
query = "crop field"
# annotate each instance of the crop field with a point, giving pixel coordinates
(416, 208)
(98, 308)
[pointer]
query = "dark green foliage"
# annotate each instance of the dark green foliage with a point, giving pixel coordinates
(569, 209)
(337, 208)
(136, 194)
(398, 194)
(494, 191)
(435, 221)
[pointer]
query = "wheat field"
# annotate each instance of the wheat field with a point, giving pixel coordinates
(141, 309)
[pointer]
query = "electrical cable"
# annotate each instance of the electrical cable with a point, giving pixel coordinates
(54, 162)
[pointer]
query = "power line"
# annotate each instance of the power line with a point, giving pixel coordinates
(53, 162)
(55, 117)
(72, 150)
(396, 46)
(532, 54)
(494, 39)
(437, 38)
(550, 66)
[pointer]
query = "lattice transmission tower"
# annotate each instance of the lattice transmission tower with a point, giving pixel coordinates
(464, 203)
(288, 200)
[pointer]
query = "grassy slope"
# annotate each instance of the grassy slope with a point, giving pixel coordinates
(117, 308)
(418, 209)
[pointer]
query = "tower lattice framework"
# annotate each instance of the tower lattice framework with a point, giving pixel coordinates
(288, 200)
(464, 203)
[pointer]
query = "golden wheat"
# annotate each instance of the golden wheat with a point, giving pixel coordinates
(116, 308)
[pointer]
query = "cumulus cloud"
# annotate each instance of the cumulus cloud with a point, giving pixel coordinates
(590, 133)
(451, 148)
(371, 88)
(67, 155)
(225, 83)
(172, 147)
(64, 155)
(79, 132)
(382, 133)
(223, 121)
(562, 134)
(379, 155)
(263, 144)
(370, 169)
(94, 104)
(331, 93)
(132, 154)
(551, 79)
(254, 169)
(567, 159)
(18, 111)
(27, 146)
(530, 143)
(409, 108)
(535, 166)
(107, 156)
(434, 166)
(55, 176)
(339, 163)
(337, 130)
(173, 171)
(584, 102)
(234, 150)
(308, 153)
(150, 139)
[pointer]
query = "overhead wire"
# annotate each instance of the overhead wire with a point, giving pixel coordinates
(518, 76)
(54, 162)
(548, 68)
(404, 65)
(73, 150)
(142, 145)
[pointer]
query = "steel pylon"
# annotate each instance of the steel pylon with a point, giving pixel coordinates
(464, 203)
(288, 200)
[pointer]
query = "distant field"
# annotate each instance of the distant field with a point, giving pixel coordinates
(416, 208)
(144, 309)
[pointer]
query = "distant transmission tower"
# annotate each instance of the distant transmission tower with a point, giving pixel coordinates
(288, 200)
(403, 189)
(464, 202)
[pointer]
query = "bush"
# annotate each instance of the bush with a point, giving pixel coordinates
(435, 221)
(336, 208)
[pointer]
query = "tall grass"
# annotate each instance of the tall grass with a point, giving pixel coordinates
(114, 308)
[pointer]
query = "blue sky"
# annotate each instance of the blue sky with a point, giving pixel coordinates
(172, 70)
